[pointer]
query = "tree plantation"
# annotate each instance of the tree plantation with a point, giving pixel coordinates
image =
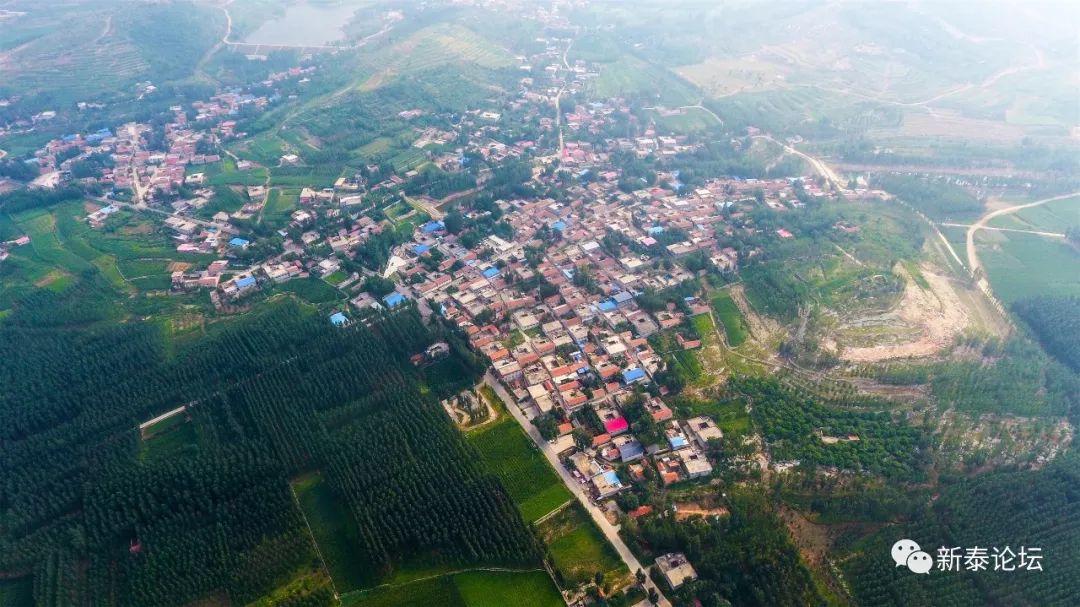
(99, 513)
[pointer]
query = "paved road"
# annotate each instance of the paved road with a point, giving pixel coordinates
(611, 532)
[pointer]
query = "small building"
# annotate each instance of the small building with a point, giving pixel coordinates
(675, 569)
(634, 375)
(394, 300)
(239, 243)
(703, 429)
(339, 319)
(607, 484)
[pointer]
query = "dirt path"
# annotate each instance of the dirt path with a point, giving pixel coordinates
(972, 254)
(820, 167)
(1036, 232)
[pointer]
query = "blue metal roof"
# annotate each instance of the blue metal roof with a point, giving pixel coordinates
(420, 249)
(247, 281)
(238, 242)
(338, 319)
(632, 375)
(677, 442)
(432, 226)
(491, 272)
(394, 299)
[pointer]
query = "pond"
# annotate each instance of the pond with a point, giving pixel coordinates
(305, 24)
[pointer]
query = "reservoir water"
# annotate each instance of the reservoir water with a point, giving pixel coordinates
(305, 24)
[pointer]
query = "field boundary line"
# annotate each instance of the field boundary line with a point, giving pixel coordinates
(441, 575)
(557, 510)
(314, 542)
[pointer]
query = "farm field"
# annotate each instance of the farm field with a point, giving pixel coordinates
(279, 207)
(435, 46)
(630, 76)
(527, 476)
(1056, 216)
(689, 120)
(1021, 265)
(578, 549)
(130, 256)
(469, 589)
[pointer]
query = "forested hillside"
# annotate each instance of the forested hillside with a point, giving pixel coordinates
(99, 512)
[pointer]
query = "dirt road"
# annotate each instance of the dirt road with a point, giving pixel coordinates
(820, 167)
(611, 532)
(972, 254)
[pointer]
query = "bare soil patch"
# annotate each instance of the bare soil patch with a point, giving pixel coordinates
(935, 317)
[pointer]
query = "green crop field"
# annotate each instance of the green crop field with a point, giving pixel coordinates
(334, 531)
(312, 290)
(729, 315)
(689, 121)
(248, 177)
(578, 548)
(632, 77)
(1056, 216)
(497, 588)
(527, 476)
(279, 207)
(470, 589)
(1022, 265)
(168, 438)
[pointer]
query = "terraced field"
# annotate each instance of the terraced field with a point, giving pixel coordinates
(105, 48)
(433, 47)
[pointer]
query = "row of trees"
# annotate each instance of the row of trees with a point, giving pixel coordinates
(1056, 323)
(278, 393)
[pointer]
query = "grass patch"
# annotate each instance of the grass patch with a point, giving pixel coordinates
(578, 548)
(167, 438)
(312, 290)
(335, 532)
(438, 592)
(730, 416)
(471, 589)
(734, 328)
(336, 278)
(527, 476)
(499, 588)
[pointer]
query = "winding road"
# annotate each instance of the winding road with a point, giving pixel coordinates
(611, 532)
(820, 167)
